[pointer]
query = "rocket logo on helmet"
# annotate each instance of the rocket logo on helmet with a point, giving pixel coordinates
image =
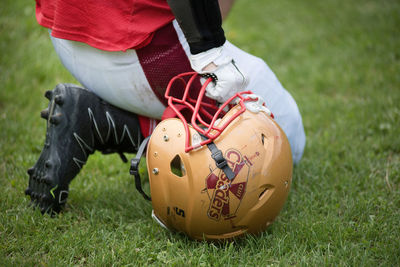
(225, 196)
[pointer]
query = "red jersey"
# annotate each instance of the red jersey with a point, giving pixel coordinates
(111, 25)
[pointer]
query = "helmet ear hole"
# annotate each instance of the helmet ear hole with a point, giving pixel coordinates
(177, 166)
(265, 192)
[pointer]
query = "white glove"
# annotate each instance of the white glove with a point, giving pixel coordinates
(228, 79)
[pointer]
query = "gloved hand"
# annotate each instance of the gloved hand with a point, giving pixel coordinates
(216, 63)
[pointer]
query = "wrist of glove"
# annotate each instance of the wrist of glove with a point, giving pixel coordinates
(218, 64)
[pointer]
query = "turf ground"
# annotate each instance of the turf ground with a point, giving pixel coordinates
(341, 62)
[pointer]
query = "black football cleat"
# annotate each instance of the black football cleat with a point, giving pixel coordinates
(78, 124)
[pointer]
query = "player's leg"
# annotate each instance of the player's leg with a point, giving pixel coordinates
(116, 77)
(78, 124)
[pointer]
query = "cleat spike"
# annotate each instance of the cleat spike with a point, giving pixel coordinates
(44, 113)
(47, 180)
(55, 119)
(48, 94)
(30, 171)
(28, 191)
(59, 100)
(48, 164)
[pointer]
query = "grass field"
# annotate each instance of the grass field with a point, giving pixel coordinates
(341, 62)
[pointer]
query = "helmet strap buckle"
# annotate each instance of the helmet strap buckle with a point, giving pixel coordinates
(220, 161)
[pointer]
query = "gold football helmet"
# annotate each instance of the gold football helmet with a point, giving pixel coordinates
(221, 175)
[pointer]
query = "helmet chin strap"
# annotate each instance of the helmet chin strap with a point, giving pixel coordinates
(134, 170)
(220, 161)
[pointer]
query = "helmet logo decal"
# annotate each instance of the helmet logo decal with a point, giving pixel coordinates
(225, 197)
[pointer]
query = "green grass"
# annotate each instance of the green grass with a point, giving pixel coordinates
(341, 62)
